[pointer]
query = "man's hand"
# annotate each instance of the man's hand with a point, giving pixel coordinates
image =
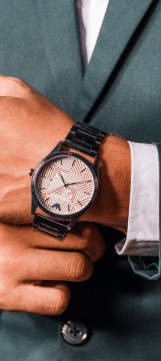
(31, 126)
(32, 266)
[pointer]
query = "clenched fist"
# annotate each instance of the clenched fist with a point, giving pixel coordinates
(32, 266)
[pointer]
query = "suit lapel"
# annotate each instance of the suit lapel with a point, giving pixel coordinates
(59, 31)
(120, 23)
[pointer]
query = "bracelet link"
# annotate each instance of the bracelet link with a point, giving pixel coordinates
(50, 227)
(84, 138)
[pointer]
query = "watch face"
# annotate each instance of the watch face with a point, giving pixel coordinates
(65, 185)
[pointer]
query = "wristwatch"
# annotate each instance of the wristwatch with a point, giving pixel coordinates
(64, 184)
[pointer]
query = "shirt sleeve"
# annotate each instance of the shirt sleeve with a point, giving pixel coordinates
(142, 237)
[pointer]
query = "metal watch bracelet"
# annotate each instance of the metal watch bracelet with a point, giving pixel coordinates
(85, 139)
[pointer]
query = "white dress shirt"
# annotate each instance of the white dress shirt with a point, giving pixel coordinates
(143, 223)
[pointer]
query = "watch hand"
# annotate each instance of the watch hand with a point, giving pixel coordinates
(62, 179)
(70, 184)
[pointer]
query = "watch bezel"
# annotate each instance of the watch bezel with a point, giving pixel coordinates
(44, 162)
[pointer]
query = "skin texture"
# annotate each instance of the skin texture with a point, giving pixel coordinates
(31, 127)
(33, 266)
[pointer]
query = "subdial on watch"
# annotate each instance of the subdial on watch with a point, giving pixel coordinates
(65, 185)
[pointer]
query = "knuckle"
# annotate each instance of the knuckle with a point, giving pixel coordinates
(98, 244)
(81, 267)
(17, 81)
(86, 236)
(83, 235)
(13, 86)
(93, 243)
(10, 79)
(101, 246)
(90, 235)
(19, 85)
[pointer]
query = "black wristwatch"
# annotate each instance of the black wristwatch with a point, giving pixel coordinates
(64, 184)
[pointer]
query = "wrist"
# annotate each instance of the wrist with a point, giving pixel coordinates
(112, 204)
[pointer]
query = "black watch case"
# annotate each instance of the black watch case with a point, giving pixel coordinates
(56, 153)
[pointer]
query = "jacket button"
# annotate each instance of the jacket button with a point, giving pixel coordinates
(74, 332)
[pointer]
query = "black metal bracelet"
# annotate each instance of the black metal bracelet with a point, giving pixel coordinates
(50, 227)
(85, 138)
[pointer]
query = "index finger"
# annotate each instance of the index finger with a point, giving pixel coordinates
(84, 237)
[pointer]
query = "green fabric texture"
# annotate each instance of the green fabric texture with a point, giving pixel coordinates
(109, 49)
(120, 92)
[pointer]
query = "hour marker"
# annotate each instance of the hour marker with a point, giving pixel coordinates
(80, 203)
(68, 208)
(87, 193)
(82, 170)
(50, 167)
(46, 200)
(61, 161)
(73, 162)
(57, 206)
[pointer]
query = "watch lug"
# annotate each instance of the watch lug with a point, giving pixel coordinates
(33, 206)
(72, 222)
(56, 149)
(96, 165)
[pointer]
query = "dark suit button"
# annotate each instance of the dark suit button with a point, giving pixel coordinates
(74, 332)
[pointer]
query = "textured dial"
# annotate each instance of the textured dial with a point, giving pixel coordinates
(65, 185)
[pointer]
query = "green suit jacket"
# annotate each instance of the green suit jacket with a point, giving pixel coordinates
(121, 92)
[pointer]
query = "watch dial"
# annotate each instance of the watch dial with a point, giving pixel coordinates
(65, 185)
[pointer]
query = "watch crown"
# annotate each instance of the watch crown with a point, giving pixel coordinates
(31, 171)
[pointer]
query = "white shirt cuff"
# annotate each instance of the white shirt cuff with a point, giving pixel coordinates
(143, 222)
